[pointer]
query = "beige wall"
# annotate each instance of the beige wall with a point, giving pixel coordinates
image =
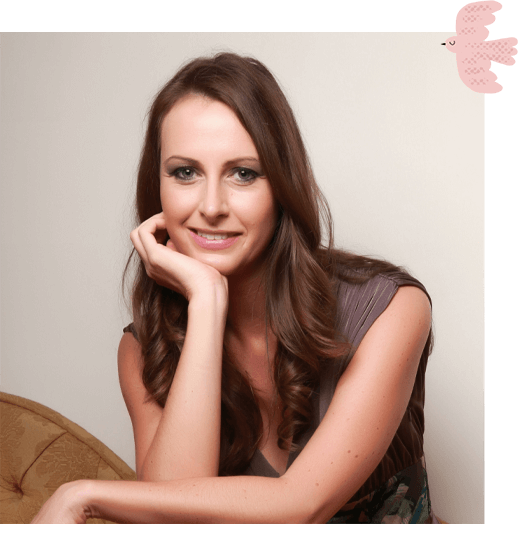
(397, 143)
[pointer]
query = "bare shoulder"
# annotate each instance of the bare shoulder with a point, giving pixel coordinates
(412, 303)
(400, 332)
(130, 368)
(407, 318)
(129, 351)
(413, 293)
(129, 360)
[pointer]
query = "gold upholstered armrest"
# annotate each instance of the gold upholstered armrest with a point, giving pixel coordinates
(39, 451)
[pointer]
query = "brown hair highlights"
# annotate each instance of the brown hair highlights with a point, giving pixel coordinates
(301, 274)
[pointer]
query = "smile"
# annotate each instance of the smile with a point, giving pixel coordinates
(214, 236)
(214, 241)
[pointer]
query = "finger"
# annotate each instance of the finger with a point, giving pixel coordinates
(138, 245)
(154, 223)
(148, 232)
(160, 232)
(149, 226)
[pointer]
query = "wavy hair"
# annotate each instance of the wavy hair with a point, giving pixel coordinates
(301, 273)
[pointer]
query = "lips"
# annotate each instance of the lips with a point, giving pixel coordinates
(204, 231)
(213, 240)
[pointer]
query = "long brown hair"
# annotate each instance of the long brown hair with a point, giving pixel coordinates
(301, 274)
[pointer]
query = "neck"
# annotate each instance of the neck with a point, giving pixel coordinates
(246, 335)
(246, 308)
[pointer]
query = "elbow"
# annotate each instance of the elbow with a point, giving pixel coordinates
(308, 519)
(318, 514)
(315, 515)
(308, 511)
(312, 518)
(309, 516)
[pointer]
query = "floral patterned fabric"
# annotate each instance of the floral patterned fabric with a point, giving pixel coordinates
(403, 499)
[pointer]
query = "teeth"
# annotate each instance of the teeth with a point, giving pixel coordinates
(213, 236)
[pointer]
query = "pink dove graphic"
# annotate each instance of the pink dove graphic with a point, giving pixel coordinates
(474, 54)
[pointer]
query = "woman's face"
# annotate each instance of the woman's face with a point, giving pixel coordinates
(212, 183)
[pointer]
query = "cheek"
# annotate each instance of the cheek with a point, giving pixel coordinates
(176, 205)
(269, 212)
(259, 209)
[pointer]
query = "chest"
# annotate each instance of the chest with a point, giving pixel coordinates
(277, 459)
(272, 453)
(256, 363)
(258, 368)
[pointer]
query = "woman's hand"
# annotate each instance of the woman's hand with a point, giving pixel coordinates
(67, 505)
(172, 269)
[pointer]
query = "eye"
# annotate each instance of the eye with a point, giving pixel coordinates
(244, 175)
(183, 173)
(451, 43)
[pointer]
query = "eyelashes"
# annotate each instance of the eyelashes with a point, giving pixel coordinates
(243, 175)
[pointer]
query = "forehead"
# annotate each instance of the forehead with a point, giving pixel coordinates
(196, 123)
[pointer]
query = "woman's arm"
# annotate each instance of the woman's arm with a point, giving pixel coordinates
(232, 499)
(166, 444)
(365, 412)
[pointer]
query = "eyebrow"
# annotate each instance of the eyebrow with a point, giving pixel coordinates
(195, 163)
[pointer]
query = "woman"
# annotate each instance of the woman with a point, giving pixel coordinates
(269, 378)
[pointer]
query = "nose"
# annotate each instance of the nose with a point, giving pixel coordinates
(213, 203)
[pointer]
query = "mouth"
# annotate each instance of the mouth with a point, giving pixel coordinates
(213, 239)
(214, 235)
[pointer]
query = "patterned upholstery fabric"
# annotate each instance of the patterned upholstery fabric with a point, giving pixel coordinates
(39, 451)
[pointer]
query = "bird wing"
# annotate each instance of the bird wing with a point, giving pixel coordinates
(473, 18)
(475, 74)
